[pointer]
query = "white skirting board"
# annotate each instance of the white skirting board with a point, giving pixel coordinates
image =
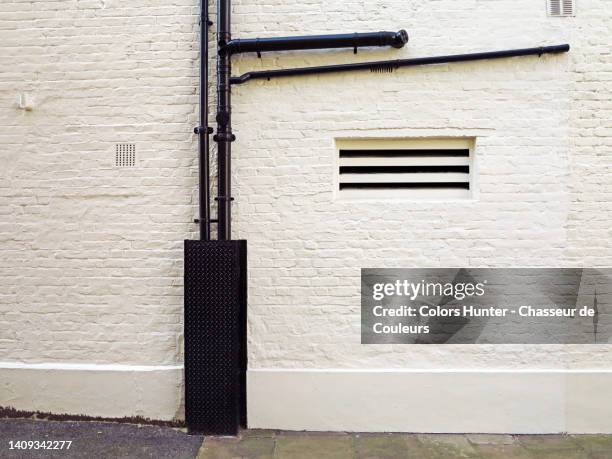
(109, 391)
(474, 401)
(450, 401)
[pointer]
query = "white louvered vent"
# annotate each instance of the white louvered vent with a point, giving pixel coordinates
(125, 155)
(561, 8)
(418, 168)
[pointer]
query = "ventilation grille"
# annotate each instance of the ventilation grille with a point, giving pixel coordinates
(423, 170)
(125, 155)
(561, 8)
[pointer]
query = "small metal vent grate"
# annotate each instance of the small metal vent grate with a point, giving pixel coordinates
(561, 8)
(421, 168)
(125, 155)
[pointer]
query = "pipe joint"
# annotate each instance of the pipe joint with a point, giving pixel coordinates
(224, 137)
(202, 130)
(400, 39)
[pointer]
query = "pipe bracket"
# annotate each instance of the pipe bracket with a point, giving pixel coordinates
(224, 137)
(202, 130)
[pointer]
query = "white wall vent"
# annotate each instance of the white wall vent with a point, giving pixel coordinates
(405, 168)
(125, 155)
(561, 8)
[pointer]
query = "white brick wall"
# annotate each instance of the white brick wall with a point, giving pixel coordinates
(306, 249)
(91, 260)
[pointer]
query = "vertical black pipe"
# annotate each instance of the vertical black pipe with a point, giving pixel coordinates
(224, 136)
(202, 130)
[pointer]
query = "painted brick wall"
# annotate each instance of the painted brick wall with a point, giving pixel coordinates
(91, 259)
(542, 158)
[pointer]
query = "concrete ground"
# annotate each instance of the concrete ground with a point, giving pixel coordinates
(113, 441)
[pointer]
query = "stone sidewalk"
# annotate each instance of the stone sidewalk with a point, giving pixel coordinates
(104, 440)
(293, 445)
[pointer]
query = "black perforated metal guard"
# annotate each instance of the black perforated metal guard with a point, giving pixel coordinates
(215, 336)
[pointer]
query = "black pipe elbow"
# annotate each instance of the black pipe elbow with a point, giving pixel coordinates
(399, 39)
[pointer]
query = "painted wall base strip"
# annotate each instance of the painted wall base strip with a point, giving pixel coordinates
(533, 402)
(109, 391)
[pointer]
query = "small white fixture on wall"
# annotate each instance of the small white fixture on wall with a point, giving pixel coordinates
(25, 102)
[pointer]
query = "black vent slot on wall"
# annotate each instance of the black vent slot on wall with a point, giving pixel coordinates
(561, 8)
(425, 169)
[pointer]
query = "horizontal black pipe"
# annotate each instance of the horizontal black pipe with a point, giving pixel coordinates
(348, 40)
(390, 65)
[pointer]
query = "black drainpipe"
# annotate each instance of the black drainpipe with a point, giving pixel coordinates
(215, 319)
(203, 130)
(224, 136)
(215, 292)
(391, 65)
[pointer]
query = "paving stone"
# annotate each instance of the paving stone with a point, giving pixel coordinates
(594, 443)
(386, 446)
(503, 452)
(416, 449)
(490, 439)
(445, 446)
(302, 433)
(548, 442)
(258, 433)
(560, 454)
(306, 446)
(234, 448)
(218, 448)
(600, 455)
(256, 448)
